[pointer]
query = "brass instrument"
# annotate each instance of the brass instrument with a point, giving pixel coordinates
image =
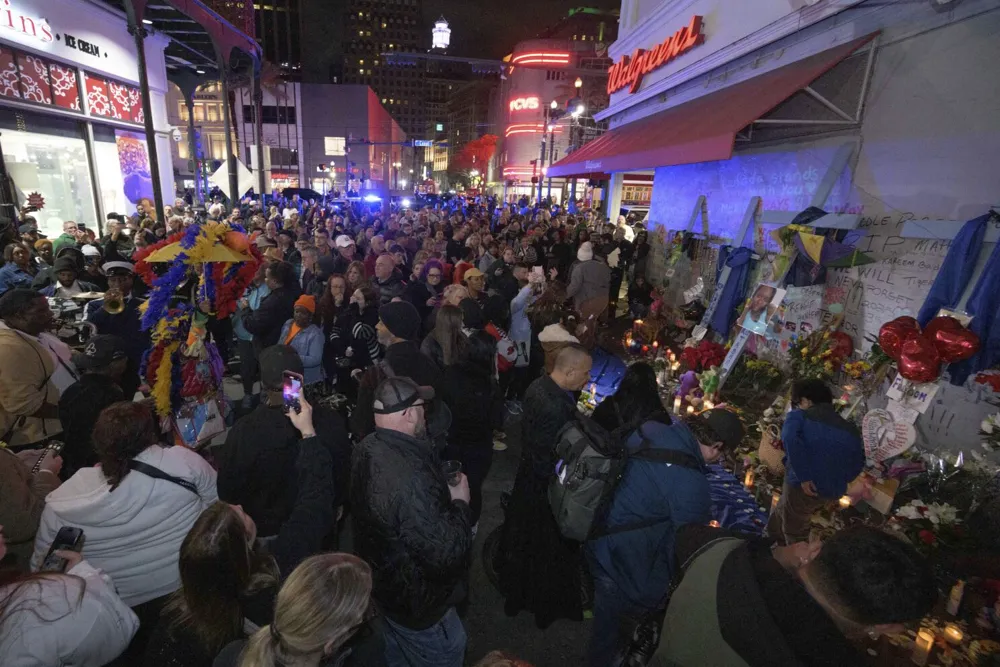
(114, 302)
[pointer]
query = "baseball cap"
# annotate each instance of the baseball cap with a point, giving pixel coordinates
(344, 241)
(274, 361)
(726, 425)
(99, 352)
(396, 394)
(27, 228)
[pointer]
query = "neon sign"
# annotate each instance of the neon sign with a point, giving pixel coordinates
(629, 71)
(541, 58)
(14, 20)
(523, 103)
(530, 128)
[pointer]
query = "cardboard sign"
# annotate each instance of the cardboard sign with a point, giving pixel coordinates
(911, 394)
(901, 413)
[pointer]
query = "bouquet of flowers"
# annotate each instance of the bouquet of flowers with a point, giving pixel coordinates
(703, 356)
(815, 356)
(928, 526)
(989, 433)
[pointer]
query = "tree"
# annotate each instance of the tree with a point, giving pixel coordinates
(476, 154)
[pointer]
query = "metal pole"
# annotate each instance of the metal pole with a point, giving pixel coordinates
(227, 119)
(193, 147)
(552, 152)
(139, 34)
(258, 134)
(541, 161)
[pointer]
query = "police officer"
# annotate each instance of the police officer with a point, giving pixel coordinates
(122, 320)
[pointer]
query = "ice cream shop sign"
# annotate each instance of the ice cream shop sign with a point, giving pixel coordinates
(629, 71)
(12, 19)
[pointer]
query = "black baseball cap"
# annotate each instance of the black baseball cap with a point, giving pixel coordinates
(274, 361)
(398, 393)
(100, 351)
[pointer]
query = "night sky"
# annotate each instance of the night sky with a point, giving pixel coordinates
(490, 28)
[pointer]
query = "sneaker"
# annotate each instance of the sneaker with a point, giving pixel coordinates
(499, 446)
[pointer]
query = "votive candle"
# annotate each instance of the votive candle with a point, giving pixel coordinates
(677, 405)
(845, 502)
(953, 634)
(922, 647)
(748, 478)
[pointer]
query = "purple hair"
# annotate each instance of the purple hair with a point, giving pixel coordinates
(431, 264)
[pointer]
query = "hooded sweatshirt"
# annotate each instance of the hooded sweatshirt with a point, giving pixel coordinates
(133, 533)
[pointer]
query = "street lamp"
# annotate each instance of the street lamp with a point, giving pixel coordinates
(578, 84)
(554, 105)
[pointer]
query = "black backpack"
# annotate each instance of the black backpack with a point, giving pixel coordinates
(591, 463)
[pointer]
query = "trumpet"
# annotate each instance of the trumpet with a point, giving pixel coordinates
(114, 303)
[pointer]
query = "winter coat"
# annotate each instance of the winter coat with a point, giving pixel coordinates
(265, 323)
(745, 610)
(416, 539)
(254, 295)
(588, 280)
(12, 276)
(133, 533)
(309, 344)
(641, 561)
(822, 447)
(84, 286)
(390, 288)
(355, 329)
(26, 369)
(76, 619)
(257, 463)
(554, 338)
(476, 405)
(23, 497)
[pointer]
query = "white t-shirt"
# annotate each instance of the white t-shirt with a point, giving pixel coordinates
(67, 292)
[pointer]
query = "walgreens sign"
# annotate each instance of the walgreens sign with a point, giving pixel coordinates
(629, 71)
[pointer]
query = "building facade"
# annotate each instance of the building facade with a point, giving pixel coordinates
(883, 114)
(70, 111)
(567, 63)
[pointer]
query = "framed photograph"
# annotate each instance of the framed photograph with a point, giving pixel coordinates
(761, 308)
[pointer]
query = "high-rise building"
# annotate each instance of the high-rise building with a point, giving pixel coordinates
(441, 35)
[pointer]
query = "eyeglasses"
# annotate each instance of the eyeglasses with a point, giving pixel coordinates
(433, 275)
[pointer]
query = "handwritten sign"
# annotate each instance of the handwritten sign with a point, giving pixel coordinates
(912, 395)
(884, 437)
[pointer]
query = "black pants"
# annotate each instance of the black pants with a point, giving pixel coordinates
(248, 365)
(222, 332)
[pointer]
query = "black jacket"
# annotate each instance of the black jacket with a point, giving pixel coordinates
(764, 613)
(391, 288)
(257, 464)
(79, 406)
(476, 405)
(277, 308)
(406, 526)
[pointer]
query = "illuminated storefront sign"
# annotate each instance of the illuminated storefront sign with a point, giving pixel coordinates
(541, 58)
(629, 71)
(12, 19)
(530, 128)
(522, 103)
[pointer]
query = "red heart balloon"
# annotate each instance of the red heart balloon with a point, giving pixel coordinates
(955, 344)
(843, 345)
(919, 360)
(893, 334)
(939, 323)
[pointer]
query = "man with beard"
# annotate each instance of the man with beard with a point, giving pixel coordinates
(413, 525)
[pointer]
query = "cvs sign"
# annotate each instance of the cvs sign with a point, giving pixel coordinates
(522, 103)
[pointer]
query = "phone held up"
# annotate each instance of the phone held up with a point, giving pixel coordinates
(291, 391)
(67, 539)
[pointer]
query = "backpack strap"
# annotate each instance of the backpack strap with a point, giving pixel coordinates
(646, 452)
(156, 473)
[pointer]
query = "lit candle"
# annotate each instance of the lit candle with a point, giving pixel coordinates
(748, 479)
(845, 502)
(774, 499)
(708, 405)
(677, 405)
(922, 647)
(713, 523)
(690, 410)
(676, 366)
(656, 343)
(953, 634)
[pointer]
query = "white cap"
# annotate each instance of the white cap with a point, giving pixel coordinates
(90, 251)
(344, 241)
(110, 266)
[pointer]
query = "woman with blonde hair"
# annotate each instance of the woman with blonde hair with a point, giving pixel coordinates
(319, 609)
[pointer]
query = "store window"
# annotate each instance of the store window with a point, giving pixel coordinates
(49, 156)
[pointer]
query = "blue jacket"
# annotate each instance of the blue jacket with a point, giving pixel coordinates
(309, 344)
(520, 326)
(823, 448)
(641, 561)
(254, 294)
(11, 276)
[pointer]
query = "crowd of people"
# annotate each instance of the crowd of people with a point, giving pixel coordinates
(341, 532)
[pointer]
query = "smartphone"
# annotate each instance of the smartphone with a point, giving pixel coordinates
(291, 390)
(55, 447)
(69, 539)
